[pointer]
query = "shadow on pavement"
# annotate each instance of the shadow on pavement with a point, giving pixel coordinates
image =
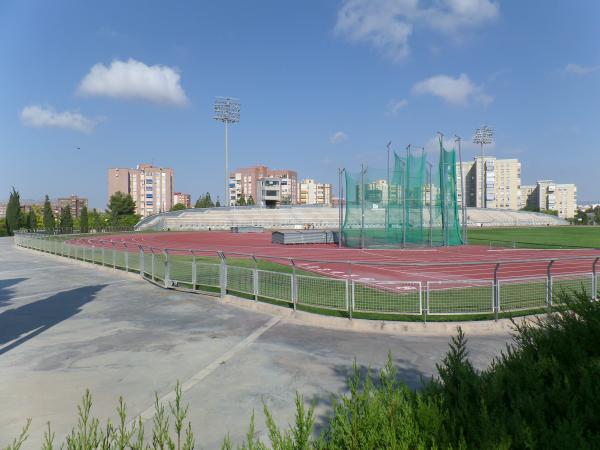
(20, 324)
(6, 292)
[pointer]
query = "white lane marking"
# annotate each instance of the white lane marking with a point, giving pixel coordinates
(148, 413)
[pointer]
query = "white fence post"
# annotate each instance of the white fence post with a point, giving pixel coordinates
(152, 259)
(194, 271)
(141, 261)
(167, 279)
(496, 293)
(255, 278)
(126, 258)
(595, 279)
(294, 286)
(549, 284)
(223, 272)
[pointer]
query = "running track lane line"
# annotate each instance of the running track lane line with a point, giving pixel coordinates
(148, 413)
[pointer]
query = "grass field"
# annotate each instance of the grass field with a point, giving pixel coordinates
(537, 237)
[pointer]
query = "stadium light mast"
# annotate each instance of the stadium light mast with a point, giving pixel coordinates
(227, 110)
(462, 191)
(484, 135)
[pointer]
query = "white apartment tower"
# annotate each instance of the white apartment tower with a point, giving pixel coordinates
(313, 193)
(491, 183)
(150, 187)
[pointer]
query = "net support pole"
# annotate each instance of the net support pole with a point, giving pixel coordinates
(362, 206)
(462, 194)
(340, 210)
(430, 205)
(404, 187)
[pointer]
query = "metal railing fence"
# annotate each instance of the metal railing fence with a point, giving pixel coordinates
(221, 273)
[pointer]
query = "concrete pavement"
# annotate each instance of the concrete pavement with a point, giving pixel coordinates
(67, 326)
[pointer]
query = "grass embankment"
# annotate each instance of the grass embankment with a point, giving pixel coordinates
(537, 237)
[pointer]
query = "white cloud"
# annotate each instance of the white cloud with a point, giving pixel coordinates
(39, 116)
(457, 91)
(578, 69)
(338, 137)
(394, 106)
(387, 25)
(134, 80)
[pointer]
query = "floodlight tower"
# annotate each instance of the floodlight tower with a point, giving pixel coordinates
(484, 135)
(227, 110)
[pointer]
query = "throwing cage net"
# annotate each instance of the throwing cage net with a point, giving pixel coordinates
(412, 203)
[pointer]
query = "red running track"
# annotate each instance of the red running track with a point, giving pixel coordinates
(381, 266)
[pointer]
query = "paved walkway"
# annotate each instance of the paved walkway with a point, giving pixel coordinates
(66, 326)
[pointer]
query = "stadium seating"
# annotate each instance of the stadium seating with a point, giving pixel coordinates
(314, 217)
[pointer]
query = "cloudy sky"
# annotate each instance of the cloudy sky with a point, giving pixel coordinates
(323, 84)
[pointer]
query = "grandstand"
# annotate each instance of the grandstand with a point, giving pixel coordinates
(296, 217)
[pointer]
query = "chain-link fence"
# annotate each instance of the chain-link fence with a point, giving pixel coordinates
(288, 283)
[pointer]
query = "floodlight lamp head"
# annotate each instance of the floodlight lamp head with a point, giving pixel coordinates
(227, 109)
(483, 135)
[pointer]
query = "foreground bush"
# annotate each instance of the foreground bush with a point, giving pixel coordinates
(542, 392)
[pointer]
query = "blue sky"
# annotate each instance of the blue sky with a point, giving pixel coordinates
(323, 84)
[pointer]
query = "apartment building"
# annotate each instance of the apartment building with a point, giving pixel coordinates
(75, 202)
(313, 193)
(490, 183)
(184, 199)
(546, 195)
(150, 187)
(246, 182)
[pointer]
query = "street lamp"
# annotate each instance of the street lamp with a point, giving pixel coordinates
(227, 110)
(484, 135)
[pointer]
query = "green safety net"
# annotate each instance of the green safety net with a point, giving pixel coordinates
(406, 204)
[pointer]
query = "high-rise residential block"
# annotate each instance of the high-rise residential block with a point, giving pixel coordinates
(547, 195)
(184, 199)
(75, 202)
(490, 183)
(150, 187)
(313, 193)
(246, 182)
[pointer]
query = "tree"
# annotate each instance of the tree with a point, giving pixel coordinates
(286, 200)
(120, 205)
(178, 207)
(581, 218)
(596, 212)
(13, 213)
(96, 220)
(208, 200)
(204, 201)
(218, 204)
(31, 220)
(49, 221)
(250, 201)
(83, 220)
(241, 201)
(66, 219)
